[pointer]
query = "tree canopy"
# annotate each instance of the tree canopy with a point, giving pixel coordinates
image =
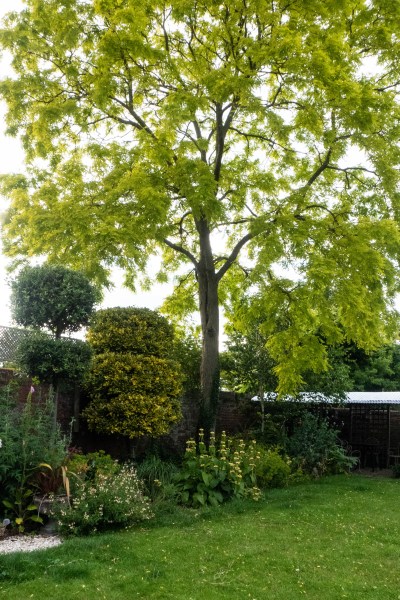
(254, 142)
(53, 297)
(378, 371)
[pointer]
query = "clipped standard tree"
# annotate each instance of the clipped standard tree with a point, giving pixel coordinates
(133, 387)
(60, 300)
(230, 134)
(52, 297)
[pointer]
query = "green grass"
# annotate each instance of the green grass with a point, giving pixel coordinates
(337, 538)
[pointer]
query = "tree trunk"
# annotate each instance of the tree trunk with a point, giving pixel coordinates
(261, 395)
(209, 313)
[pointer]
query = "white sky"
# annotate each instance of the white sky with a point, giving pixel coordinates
(12, 161)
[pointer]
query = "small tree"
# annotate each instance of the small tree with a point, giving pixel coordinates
(60, 300)
(53, 297)
(378, 371)
(133, 386)
(247, 365)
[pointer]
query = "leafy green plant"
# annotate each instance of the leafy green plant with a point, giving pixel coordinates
(29, 436)
(338, 461)
(213, 474)
(315, 448)
(109, 500)
(22, 508)
(157, 476)
(57, 481)
(87, 467)
(48, 480)
(273, 469)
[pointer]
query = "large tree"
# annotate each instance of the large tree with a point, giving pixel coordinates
(211, 129)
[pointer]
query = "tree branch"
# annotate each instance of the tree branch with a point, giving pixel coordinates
(264, 138)
(181, 250)
(321, 169)
(237, 222)
(322, 207)
(387, 87)
(187, 213)
(251, 211)
(221, 131)
(197, 129)
(233, 256)
(140, 123)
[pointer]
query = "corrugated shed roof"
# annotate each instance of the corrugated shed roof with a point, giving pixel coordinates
(351, 398)
(373, 397)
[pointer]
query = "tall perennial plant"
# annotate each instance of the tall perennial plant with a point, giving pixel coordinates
(29, 437)
(223, 470)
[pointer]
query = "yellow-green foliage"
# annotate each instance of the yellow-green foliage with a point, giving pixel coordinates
(133, 395)
(134, 330)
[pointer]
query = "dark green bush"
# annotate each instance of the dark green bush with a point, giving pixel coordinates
(315, 448)
(54, 297)
(396, 471)
(51, 360)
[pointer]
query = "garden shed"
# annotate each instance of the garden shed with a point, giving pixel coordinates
(369, 423)
(373, 426)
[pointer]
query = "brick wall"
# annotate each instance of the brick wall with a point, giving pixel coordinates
(65, 411)
(236, 415)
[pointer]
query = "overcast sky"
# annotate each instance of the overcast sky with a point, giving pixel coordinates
(12, 161)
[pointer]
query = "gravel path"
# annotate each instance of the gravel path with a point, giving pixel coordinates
(21, 543)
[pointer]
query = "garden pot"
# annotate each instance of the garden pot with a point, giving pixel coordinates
(45, 503)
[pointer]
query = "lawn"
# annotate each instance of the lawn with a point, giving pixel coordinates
(336, 538)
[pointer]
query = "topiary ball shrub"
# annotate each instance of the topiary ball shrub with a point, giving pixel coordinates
(134, 330)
